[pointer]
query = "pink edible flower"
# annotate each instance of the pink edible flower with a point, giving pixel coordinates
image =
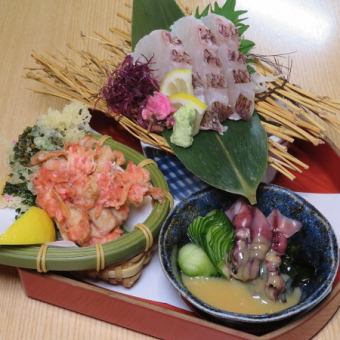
(157, 107)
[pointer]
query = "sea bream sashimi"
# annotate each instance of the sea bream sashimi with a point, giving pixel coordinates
(208, 78)
(166, 51)
(234, 64)
(210, 48)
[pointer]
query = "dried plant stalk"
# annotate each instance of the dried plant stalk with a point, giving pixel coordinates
(288, 111)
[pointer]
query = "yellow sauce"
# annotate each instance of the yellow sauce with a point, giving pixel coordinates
(235, 296)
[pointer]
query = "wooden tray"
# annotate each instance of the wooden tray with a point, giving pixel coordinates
(165, 321)
(156, 319)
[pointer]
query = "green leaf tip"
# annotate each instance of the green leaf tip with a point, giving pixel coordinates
(228, 11)
(234, 162)
(150, 15)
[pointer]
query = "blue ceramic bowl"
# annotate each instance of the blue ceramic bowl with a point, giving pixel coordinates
(316, 237)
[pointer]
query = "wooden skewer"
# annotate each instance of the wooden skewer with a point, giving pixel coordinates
(322, 102)
(270, 129)
(283, 170)
(284, 161)
(334, 101)
(267, 111)
(277, 145)
(310, 104)
(322, 107)
(289, 133)
(297, 111)
(288, 156)
(287, 114)
(285, 164)
(331, 105)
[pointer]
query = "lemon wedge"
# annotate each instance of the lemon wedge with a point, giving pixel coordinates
(33, 227)
(185, 99)
(178, 80)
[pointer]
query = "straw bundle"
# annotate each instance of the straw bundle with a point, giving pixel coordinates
(288, 111)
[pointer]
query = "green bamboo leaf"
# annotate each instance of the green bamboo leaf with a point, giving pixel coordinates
(241, 28)
(228, 5)
(204, 12)
(150, 15)
(234, 162)
(228, 11)
(246, 46)
(250, 69)
(240, 12)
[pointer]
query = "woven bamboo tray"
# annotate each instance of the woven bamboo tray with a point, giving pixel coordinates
(125, 257)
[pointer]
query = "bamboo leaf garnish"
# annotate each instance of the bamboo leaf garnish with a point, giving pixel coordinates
(236, 16)
(150, 15)
(238, 159)
(246, 46)
(204, 13)
(235, 161)
(242, 28)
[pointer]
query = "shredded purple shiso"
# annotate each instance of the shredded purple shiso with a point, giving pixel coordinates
(128, 88)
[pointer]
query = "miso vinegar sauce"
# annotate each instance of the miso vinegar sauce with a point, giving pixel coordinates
(235, 296)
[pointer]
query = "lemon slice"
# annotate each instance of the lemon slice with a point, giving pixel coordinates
(183, 99)
(33, 227)
(177, 81)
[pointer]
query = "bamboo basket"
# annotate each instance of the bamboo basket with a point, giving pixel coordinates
(120, 261)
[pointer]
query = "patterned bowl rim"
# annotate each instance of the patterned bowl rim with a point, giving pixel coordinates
(319, 294)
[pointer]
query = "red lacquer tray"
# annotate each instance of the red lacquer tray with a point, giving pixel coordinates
(165, 321)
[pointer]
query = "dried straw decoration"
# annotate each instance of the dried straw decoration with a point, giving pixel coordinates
(288, 111)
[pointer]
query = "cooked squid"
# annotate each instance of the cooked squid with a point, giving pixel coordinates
(253, 240)
(260, 240)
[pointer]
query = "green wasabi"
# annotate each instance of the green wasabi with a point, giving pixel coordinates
(183, 129)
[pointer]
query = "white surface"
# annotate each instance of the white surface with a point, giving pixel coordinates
(7, 217)
(153, 284)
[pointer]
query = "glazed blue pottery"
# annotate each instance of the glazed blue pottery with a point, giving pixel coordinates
(316, 237)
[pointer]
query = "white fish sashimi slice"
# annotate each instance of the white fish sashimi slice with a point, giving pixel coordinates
(242, 100)
(223, 30)
(241, 91)
(166, 50)
(198, 43)
(208, 79)
(218, 100)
